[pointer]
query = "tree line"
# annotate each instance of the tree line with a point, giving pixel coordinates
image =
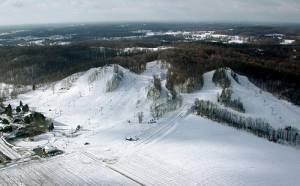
(259, 127)
(275, 69)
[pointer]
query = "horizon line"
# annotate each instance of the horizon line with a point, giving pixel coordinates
(242, 23)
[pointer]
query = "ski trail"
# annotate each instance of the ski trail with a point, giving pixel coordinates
(95, 158)
(164, 128)
(152, 171)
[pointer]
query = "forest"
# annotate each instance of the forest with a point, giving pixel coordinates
(278, 73)
(274, 68)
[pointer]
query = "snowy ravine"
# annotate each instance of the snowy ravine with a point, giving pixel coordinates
(179, 149)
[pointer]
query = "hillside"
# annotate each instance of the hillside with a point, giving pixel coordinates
(133, 131)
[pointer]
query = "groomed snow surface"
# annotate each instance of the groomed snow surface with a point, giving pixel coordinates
(180, 149)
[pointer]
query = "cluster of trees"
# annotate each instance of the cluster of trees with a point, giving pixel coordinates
(23, 122)
(96, 75)
(4, 121)
(258, 127)
(221, 79)
(140, 116)
(135, 62)
(185, 68)
(21, 108)
(159, 109)
(190, 85)
(154, 89)
(8, 110)
(225, 98)
(6, 127)
(34, 117)
(1, 102)
(117, 77)
(157, 82)
(35, 123)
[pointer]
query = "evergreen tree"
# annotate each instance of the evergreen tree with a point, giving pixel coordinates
(18, 109)
(27, 120)
(1, 102)
(25, 108)
(51, 127)
(140, 117)
(221, 79)
(8, 110)
(5, 121)
(157, 83)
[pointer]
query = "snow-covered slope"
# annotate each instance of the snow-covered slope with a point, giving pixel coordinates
(72, 169)
(201, 152)
(179, 149)
(262, 104)
(257, 103)
(83, 99)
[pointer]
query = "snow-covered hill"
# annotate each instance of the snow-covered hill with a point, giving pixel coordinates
(258, 103)
(179, 148)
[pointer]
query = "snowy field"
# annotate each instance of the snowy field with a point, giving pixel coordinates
(179, 149)
(71, 169)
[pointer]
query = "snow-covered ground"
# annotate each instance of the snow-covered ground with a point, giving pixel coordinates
(30, 40)
(202, 36)
(139, 49)
(180, 149)
(7, 151)
(71, 169)
(11, 32)
(287, 42)
(199, 151)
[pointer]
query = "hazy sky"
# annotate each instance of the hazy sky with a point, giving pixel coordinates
(55, 11)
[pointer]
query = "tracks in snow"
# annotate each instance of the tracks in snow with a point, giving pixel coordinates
(95, 158)
(7, 151)
(151, 171)
(164, 128)
(70, 169)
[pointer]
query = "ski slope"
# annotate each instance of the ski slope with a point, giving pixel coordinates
(261, 104)
(201, 152)
(72, 169)
(179, 149)
(82, 98)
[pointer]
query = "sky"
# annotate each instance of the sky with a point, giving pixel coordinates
(14, 12)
